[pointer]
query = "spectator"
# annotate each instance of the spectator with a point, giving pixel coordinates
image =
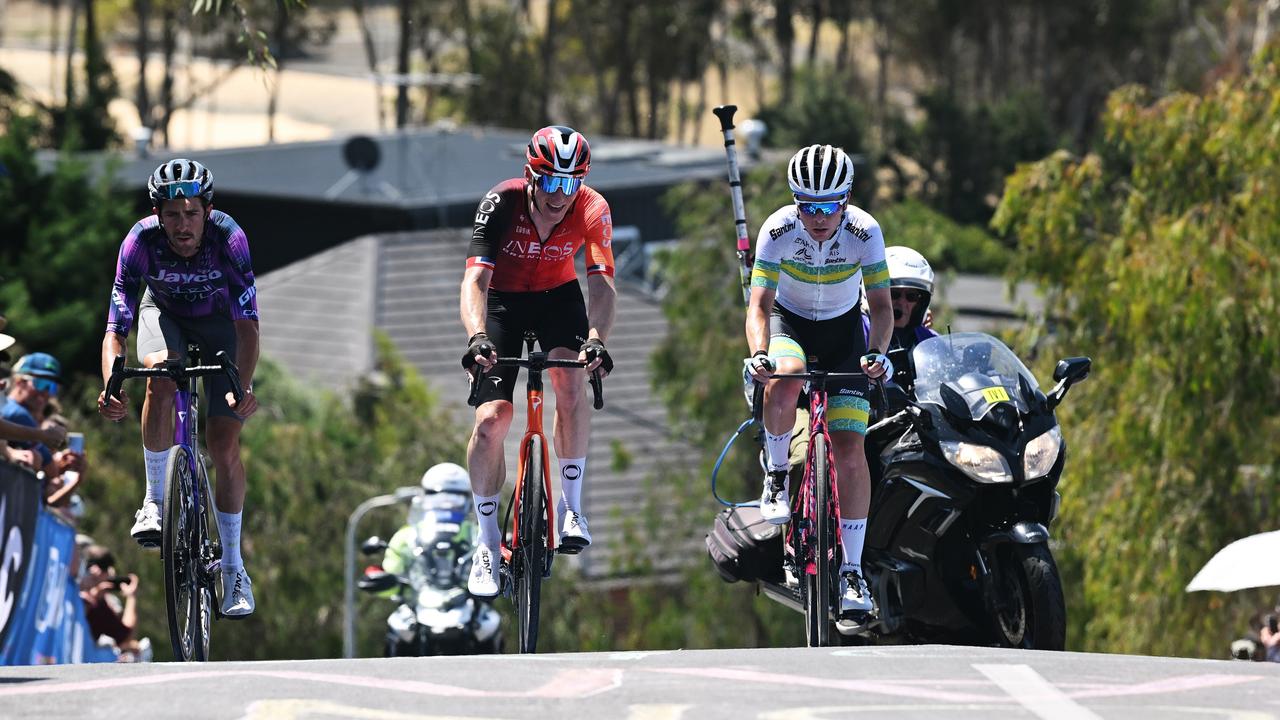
(107, 614)
(26, 433)
(1270, 635)
(35, 378)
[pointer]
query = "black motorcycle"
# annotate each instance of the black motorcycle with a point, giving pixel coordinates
(964, 479)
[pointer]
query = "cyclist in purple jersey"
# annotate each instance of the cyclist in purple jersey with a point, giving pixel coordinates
(193, 262)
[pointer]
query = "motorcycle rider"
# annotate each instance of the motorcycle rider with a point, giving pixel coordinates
(910, 290)
(446, 498)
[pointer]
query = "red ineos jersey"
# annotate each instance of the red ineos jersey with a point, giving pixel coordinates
(505, 240)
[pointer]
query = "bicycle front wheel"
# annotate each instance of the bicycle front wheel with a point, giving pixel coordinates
(530, 556)
(207, 551)
(818, 583)
(179, 546)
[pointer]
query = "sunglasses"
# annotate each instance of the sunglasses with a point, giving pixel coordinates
(821, 207)
(558, 183)
(910, 295)
(182, 189)
(44, 385)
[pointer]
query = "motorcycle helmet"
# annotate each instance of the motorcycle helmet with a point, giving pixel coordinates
(446, 477)
(908, 269)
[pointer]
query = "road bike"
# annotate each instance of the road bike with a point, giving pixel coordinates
(189, 542)
(526, 558)
(812, 552)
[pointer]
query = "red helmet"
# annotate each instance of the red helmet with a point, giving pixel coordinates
(559, 150)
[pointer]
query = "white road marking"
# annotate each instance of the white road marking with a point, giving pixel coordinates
(1035, 693)
(656, 712)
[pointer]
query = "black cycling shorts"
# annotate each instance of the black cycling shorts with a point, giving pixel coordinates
(835, 345)
(557, 316)
(158, 330)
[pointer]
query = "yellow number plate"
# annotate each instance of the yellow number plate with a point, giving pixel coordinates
(995, 395)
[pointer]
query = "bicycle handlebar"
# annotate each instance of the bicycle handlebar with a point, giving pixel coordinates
(174, 370)
(597, 383)
(757, 397)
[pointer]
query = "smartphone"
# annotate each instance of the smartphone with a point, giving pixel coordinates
(1273, 623)
(75, 442)
(118, 580)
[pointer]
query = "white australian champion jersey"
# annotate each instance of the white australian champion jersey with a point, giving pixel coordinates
(820, 281)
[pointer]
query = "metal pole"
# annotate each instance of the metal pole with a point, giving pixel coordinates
(403, 494)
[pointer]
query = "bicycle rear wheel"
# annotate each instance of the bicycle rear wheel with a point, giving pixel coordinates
(530, 557)
(818, 584)
(179, 541)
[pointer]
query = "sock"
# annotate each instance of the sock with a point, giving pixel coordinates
(156, 462)
(778, 450)
(229, 530)
(852, 533)
(571, 472)
(487, 519)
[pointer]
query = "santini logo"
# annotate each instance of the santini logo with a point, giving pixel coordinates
(176, 277)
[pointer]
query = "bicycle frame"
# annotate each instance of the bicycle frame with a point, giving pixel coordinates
(805, 505)
(533, 427)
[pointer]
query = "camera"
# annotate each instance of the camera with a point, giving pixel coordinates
(1273, 623)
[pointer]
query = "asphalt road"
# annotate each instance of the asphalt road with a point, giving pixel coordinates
(775, 684)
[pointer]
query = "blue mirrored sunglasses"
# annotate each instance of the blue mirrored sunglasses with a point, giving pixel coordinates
(178, 190)
(559, 183)
(45, 385)
(830, 207)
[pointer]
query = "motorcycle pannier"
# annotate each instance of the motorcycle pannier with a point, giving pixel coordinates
(743, 546)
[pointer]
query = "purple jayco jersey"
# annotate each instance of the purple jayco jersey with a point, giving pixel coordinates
(217, 280)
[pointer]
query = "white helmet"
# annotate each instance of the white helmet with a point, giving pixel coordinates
(446, 477)
(820, 171)
(909, 269)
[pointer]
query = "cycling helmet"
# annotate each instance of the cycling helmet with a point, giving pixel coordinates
(559, 150)
(909, 269)
(820, 171)
(446, 477)
(39, 364)
(180, 178)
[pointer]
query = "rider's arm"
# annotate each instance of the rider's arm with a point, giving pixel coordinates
(126, 291)
(764, 284)
(601, 291)
(475, 297)
(246, 350)
(875, 278)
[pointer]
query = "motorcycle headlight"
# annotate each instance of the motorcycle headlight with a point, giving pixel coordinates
(977, 461)
(1042, 453)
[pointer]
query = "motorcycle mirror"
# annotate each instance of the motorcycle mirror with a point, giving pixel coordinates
(1072, 369)
(373, 545)
(377, 582)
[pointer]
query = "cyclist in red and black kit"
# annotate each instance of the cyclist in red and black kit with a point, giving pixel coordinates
(521, 277)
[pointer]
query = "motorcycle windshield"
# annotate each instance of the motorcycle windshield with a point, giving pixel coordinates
(983, 370)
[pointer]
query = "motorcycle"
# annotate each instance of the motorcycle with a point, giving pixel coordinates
(436, 615)
(964, 490)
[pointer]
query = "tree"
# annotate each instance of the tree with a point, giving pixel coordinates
(1157, 253)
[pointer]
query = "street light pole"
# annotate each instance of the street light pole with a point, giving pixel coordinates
(403, 494)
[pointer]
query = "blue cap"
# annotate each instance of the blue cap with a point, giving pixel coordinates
(39, 365)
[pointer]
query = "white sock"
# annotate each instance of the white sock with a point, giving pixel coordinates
(487, 519)
(571, 472)
(852, 533)
(156, 462)
(778, 450)
(229, 530)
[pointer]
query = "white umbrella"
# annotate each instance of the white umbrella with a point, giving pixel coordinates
(1249, 562)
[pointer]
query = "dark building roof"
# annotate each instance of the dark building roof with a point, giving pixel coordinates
(298, 199)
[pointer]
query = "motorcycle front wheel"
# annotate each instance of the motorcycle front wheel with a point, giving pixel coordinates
(1033, 613)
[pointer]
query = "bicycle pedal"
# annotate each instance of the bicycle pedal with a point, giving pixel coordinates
(571, 548)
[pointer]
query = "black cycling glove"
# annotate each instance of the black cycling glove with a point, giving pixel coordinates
(479, 344)
(594, 348)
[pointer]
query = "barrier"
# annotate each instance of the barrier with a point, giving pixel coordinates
(42, 618)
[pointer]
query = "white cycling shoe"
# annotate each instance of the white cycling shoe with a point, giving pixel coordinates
(775, 504)
(146, 525)
(237, 594)
(574, 535)
(855, 598)
(485, 578)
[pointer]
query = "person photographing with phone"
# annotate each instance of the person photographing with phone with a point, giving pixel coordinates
(109, 615)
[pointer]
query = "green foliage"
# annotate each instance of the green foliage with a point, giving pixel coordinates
(310, 460)
(1158, 250)
(947, 244)
(61, 231)
(504, 58)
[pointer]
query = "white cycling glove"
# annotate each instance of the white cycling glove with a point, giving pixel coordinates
(877, 357)
(758, 364)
